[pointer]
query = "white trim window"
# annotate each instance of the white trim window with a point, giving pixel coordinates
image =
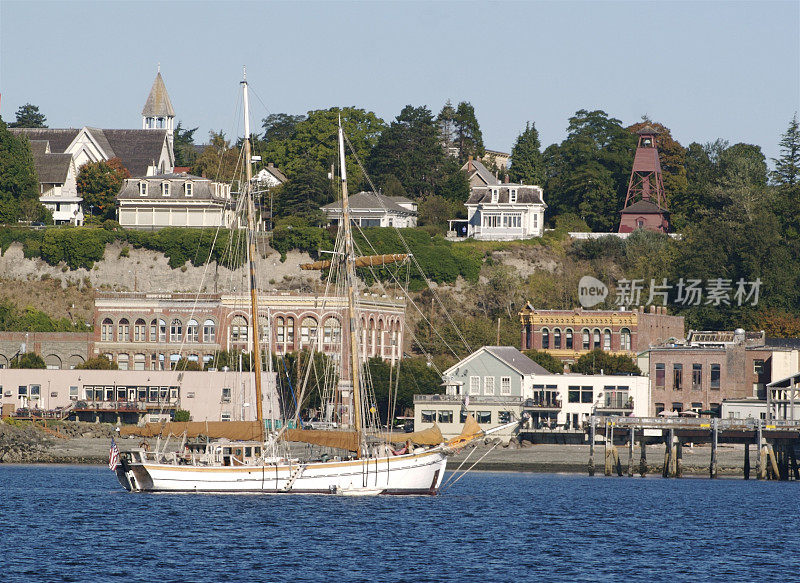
(505, 386)
(475, 385)
(512, 195)
(165, 189)
(488, 385)
(494, 195)
(143, 188)
(188, 189)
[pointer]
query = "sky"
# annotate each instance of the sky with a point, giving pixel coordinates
(706, 70)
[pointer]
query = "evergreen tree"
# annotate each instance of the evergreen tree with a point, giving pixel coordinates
(468, 133)
(446, 123)
(218, 160)
(280, 126)
(18, 181)
(28, 360)
(787, 167)
(527, 165)
(29, 116)
(303, 195)
(183, 146)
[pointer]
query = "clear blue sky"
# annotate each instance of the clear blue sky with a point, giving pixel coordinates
(706, 70)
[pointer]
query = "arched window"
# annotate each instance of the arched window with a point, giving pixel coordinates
(173, 361)
(557, 338)
(239, 329)
(596, 338)
(289, 333)
(607, 340)
(192, 331)
(545, 338)
(625, 339)
(162, 330)
(332, 331)
(139, 328)
(586, 339)
(176, 331)
(568, 338)
(122, 361)
(308, 332)
(107, 330)
(280, 334)
(263, 330)
(153, 330)
(123, 331)
(138, 361)
(209, 332)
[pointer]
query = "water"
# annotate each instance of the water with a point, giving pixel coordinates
(74, 523)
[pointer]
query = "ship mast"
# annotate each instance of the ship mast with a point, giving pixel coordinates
(350, 279)
(251, 254)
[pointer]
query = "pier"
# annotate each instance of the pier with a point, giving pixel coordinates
(775, 444)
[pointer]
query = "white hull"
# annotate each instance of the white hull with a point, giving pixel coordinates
(416, 473)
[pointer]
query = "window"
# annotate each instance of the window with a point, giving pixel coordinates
(226, 395)
(332, 331)
(624, 339)
(107, 330)
(142, 188)
(697, 407)
(715, 376)
(139, 329)
(574, 394)
(290, 333)
(586, 395)
(209, 332)
(535, 221)
(505, 385)
(187, 189)
(697, 375)
(280, 333)
(758, 366)
(568, 339)
(263, 329)
(660, 374)
(483, 416)
(716, 409)
(494, 195)
(308, 332)
(490, 220)
(545, 338)
(122, 361)
(677, 376)
(659, 408)
(586, 339)
(225, 416)
(557, 338)
(123, 330)
(162, 330)
(504, 416)
(139, 362)
(606, 339)
(474, 385)
(165, 189)
(192, 331)
(677, 407)
(488, 385)
(512, 195)
(445, 416)
(73, 393)
(22, 390)
(176, 331)
(428, 416)
(239, 329)
(596, 338)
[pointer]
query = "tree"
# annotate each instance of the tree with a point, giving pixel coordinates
(409, 150)
(181, 416)
(18, 181)
(545, 360)
(787, 167)
(412, 376)
(218, 161)
(31, 210)
(28, 360)
(597, 361)
(468, 132)
(183, 146)
(280, 126)
(438, 210)
(527, 165)
(303, 195)
(446, 122)
(28, 116)
(186, 364)
(98, 363)
(99, 183)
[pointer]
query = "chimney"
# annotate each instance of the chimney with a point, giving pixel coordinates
(506, 179)
(469, 164)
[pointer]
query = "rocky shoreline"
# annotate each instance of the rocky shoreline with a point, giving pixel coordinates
(88, 443)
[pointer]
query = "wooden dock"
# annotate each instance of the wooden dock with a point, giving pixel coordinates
(776, 443)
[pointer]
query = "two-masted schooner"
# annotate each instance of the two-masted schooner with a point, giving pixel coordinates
(244, 457)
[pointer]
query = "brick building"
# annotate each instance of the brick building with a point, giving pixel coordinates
(713, 367)
(568, 334)
(58, 349)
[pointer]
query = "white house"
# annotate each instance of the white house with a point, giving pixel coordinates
(175, 200)
(499, 383)
(370, 209)
(57, 183)
(269, 176)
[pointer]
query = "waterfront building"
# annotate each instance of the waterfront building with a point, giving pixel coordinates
(498, 383)
(116, 396)
(569, 334)
(369, 209)
(60, 350)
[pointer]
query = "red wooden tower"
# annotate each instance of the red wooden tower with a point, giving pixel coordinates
(644, 203)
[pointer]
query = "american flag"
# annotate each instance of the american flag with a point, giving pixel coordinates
(113, 455)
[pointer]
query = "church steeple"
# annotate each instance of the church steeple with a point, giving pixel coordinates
(158, 113)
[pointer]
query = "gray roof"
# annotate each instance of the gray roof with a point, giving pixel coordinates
(643, 207)
(158, 103)
(59, 139)
(102, 141)
(515, 359)
(137, 149)
(40, 147)
(272, 169)
(372, 201)
(481, 170)
(525, 194)
(202, 188)
(52, 168)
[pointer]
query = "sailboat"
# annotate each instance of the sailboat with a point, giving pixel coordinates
(243, 457)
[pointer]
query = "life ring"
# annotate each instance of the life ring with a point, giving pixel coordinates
(402, 451)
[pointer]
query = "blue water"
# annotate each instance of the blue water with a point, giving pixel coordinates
(73, 523)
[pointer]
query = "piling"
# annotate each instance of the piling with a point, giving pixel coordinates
(678, 459)
(608, 454)
(712, 469)
(591, 446)
(667, 451)
(631, 440)
(643, 458)
(746, 461)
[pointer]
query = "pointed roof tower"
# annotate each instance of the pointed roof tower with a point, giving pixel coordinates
(644, 204)
(158, 112)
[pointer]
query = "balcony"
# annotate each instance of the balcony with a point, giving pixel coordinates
(542, 404)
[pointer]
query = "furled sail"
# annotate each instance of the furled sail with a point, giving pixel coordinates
(470, 431)
(364, 261)
(429, 436)
(233, 430)
(339, 439)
